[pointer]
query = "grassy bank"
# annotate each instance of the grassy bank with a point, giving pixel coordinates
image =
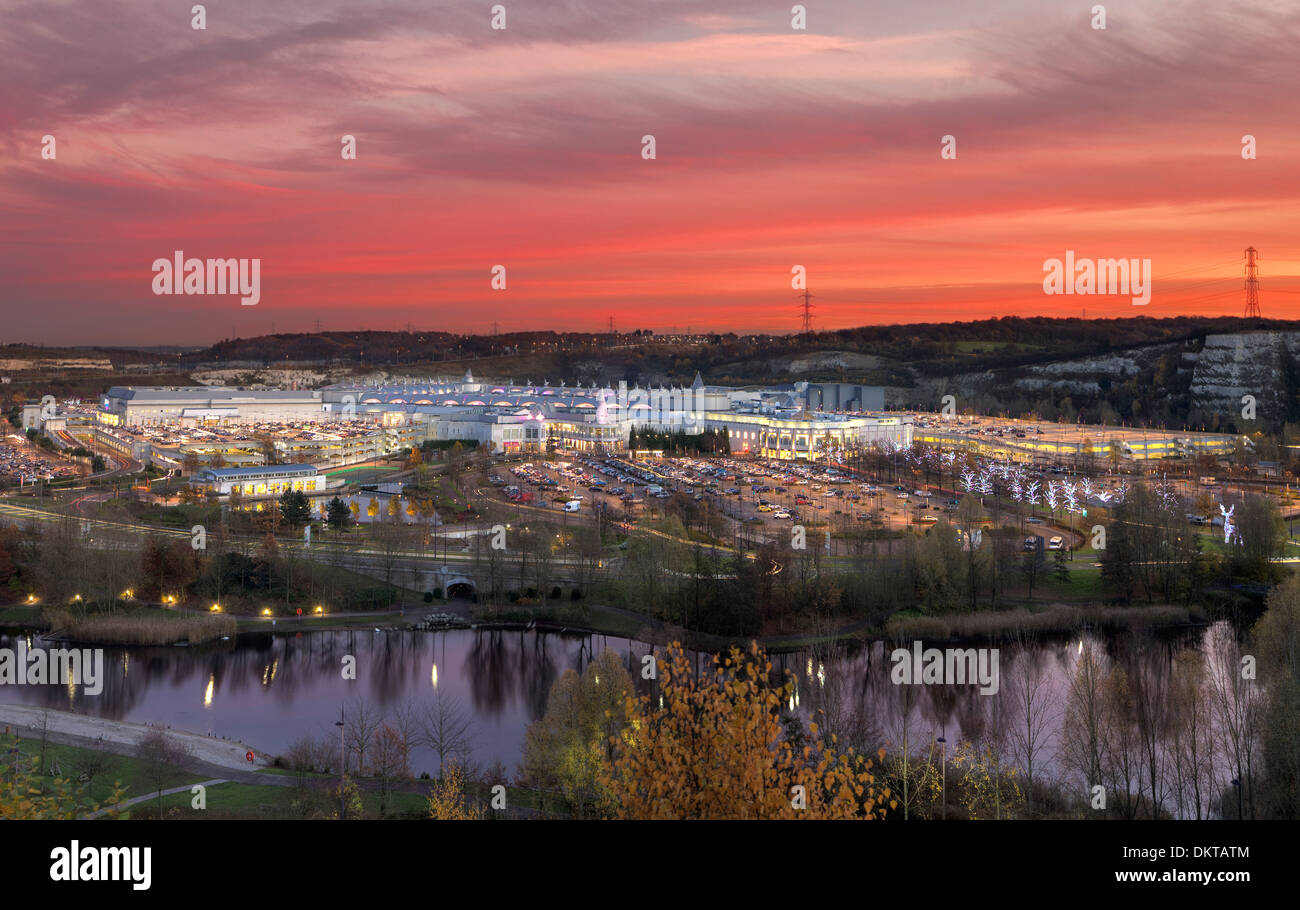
(20, 616)
(109, 769)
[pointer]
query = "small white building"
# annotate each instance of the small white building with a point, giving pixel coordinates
(263, 480)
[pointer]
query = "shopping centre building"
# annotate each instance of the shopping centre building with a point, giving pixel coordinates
(185, 429)
(177, 428)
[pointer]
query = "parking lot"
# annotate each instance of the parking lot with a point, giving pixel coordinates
(21, 462)
(760, 499)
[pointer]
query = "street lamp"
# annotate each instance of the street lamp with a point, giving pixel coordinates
(343, 769)
(943, 753)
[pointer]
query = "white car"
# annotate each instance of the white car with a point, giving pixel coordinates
(1055, 543)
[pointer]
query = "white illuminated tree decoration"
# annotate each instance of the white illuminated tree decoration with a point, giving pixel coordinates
(1071, 501)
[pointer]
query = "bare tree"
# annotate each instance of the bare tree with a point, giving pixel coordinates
(362, 720)
(1236, 710)
(92, 764)
(407, 721)
(1083, 735)
(390, 536)
(1149, 685)
(1122, 767)
(390, 762)
(448, 730)
(1193, 766)
(1033, 713)
(161, 758)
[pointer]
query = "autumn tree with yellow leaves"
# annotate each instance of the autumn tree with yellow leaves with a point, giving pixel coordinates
(448, 800)
(27, 793)
(714, 746)
(565, 750)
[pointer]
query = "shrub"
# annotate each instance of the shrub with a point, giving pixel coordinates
(428, 597)
(575, 594)
(555, 593)
(437, 592)
(124, 629)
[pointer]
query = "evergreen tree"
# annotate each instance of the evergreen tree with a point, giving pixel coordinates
(338, 514)
(295, 508)
(1062, 566)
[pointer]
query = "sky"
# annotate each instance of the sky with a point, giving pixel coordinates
(774, 147)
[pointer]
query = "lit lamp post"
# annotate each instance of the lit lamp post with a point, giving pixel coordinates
(343, 769)
(943, 774)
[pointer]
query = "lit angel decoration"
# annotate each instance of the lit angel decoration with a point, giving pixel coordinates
(1228, 527)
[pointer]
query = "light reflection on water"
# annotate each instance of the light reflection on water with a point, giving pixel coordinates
(269, 690)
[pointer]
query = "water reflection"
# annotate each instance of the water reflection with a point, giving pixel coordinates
(269, 689)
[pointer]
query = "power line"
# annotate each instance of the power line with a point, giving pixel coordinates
(1231, 293)
(1207, 281)
(1202, 268)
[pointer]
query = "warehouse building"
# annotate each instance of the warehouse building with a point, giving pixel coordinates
(205, 405)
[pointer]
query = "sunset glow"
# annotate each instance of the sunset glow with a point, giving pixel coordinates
(522, 147)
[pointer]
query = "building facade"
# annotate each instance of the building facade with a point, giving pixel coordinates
(252, 482)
